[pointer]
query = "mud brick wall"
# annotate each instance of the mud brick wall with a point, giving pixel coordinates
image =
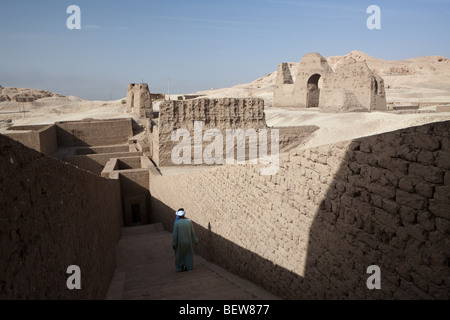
(53, 215)
(41, 138)
(312, 230)
(96, 162)
(221, 114)
(93, 133)
(48, 140)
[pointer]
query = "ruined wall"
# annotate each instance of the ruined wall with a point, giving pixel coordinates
(221, 114)
(310, 65)
(312, 230)
(53, 215)
(139, 100)
(133, 174)
(93, 132)
(353, 87)
(284, 87)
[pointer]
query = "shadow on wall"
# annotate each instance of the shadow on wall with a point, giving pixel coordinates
(380, 200)
(135, 201)
(85, 162)
(387, 205)
(52, 216)
(74, 138)
(232, 257)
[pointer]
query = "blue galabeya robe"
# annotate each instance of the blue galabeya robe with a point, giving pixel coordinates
(183, 240)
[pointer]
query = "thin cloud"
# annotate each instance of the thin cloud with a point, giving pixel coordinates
(316, 5)
(97, 27)
(91, 27)
(213, 21)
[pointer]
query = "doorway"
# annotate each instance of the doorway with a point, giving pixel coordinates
(136, 213)
(313, 91)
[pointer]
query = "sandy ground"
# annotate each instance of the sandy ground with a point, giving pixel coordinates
(54, 109)
(346, 126)
(424, 80)
(333, 127)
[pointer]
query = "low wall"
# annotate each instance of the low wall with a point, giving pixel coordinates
(291, 137)
(133, 174)
(96, 162)
(53, 215)
(89, 133)
(312, 230)
(220, 115)
(101, 150)
(47, 140)
(41, 138)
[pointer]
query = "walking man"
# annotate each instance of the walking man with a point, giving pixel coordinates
(183, 240)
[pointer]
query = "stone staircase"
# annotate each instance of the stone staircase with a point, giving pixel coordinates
(145, 271)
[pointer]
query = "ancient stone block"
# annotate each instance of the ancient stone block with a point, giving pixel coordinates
(406, 184)
(391, 206)
(422, 141)
(447, 178)
(407, 153)
(443, 160)
(417, 232)
(381, 190)
(439, 209)
(408, 215)
(425, 189)
(426, 220)
(443, 225)
(442, 194)
(387, 219)
(393, 164)
(376, 200)
(425, 157)
(446, 144)
(428, 173)
(411, 200)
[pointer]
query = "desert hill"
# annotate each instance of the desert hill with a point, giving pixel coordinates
(12, 94)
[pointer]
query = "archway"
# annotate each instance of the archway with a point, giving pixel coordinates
(313, 91)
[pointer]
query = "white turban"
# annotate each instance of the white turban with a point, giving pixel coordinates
(180, 213)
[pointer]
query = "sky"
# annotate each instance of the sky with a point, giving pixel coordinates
(184, 46)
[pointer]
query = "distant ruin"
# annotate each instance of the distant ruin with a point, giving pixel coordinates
(351, 87)
(219, 114)
(308, 232)
(139, 101)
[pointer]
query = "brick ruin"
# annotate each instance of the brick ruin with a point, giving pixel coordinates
(139, 100)
(312, 230)
(351, 87)
(218, 114)
(308, 232)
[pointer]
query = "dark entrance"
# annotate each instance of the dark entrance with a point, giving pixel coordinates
(313, 91)
(136, 213)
